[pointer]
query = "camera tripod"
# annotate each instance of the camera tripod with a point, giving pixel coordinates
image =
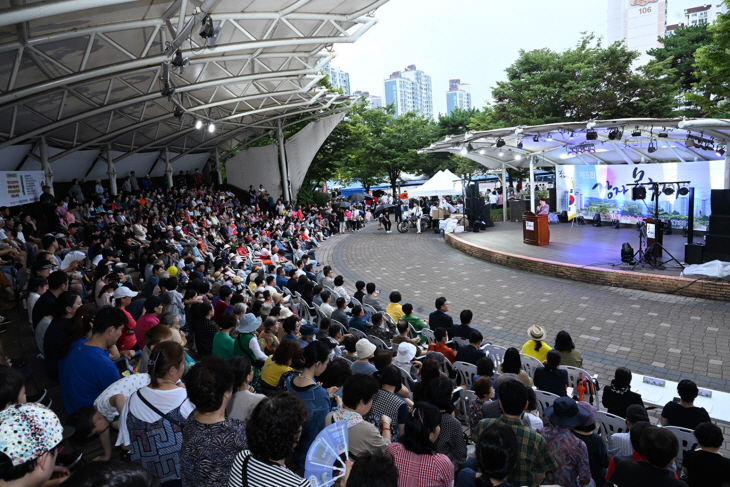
(653, 261)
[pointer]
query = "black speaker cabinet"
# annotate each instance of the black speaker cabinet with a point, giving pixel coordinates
(720, 201)
(719, 224)
(693, 253)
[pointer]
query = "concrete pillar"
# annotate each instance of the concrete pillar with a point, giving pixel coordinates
(282, 162)
(168, 168)
(111, 171)
(504, 193)
(532, 184)
(46, 165)
(218, 166)
(727, 170)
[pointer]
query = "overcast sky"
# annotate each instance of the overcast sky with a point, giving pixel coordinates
(473, 40)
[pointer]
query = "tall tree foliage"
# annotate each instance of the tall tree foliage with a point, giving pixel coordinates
(712, 63)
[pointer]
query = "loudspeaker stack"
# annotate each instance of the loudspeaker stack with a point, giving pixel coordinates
(717, 243)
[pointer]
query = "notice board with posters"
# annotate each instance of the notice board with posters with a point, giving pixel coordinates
(20, 187)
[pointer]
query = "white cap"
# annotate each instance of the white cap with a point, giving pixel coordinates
(124, 292)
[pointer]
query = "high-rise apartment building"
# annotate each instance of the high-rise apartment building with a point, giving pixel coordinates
(704, 14)
(338, 78)
(410, 90)
(373, 100)
(638, 23)
(458, 96)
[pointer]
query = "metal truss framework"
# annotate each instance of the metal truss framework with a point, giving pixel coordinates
(98, 85)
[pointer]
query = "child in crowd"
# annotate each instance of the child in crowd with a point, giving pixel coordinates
(36, 287)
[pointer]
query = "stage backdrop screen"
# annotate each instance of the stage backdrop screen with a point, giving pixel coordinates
(604, 189)
(20, 187)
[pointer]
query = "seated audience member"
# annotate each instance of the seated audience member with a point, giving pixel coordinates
(706, 467)
(485, 368)
(335, 375)
(268, 340)
(512, 364)
(402, 337)
(277, 364)
(636, 454)
(210, 439)
(439, 318)
(153, 337)
(388, 402)
(532, 413)
(570, 453)
(223, 343)
(620, 443)
(63, 309)
(394, 309)
(416, 456)
(380, 329)
(440, 346)
(463, 330)
(417, 323)
(357, 321)
(365, 355)
(370, 470)
(484, 391)
(597, 453)
(371, 298)
(151, 317)
(660, 447)
(534, 458)
(451, 441)
(12, 387)
(113, 473)
(535, 346)
(350, 344)
(29, 460)
(684, 414)
(496, 452)
(405, 359)
(357, 398)
(243, 401)
(549, 377)
(86, 370)
(471, 353)
(339, 314)
(618, 396)
(326, 308)
(569, 356)
(359, 291)
(272, 432)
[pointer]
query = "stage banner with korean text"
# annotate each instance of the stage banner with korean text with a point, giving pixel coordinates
(605, 189)
(20, 187)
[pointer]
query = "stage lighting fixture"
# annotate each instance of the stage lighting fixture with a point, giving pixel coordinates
(663, 135)
(464, 151)
(518, 157)
(179, 112)
(501, 152)
(210, 33)
(198, 124)
(519, 144)
(536, 138)
(180, 62)
(591, 135)
(211, 127)
(571, 135)
(683, 191)
(638, 193)
(668, 191)
(481, 151)
(627, 252)
(549, 137)
(652, 147)
(500, 142)
(720, 152)
(168, 91)
(612, 134)
(636, 133)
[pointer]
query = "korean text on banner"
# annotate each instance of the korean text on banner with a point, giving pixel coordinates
(20, 187)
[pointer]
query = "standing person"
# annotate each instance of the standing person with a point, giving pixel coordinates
(493, 199)
(544, 208)
(163, 406)
(133, 182)
(570, 453)
(210, 440)
(75, 192)
(204, 328)
(419, 464)
(386, 221)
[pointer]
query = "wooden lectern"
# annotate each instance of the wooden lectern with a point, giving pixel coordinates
(657, 235)
(535, 229)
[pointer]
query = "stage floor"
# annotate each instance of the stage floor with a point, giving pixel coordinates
(583, 245)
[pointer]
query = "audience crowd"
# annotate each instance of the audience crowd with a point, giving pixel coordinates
(196, 329)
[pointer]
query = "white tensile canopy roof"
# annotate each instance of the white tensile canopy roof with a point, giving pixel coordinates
(622, 141)
(82, 80)
(443, 183)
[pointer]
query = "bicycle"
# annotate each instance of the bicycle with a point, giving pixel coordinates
(409, 222)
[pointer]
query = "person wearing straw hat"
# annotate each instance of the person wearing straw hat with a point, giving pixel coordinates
(571, 453)
(535, 346)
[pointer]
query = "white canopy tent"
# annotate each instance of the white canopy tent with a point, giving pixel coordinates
(90, 84)
(622, 141)
(443, 183)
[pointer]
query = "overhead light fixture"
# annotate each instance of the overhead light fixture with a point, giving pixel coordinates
(211, 127)
(500, 142)
(198, 124)
(168, 91)
(591, 135)
(209, 32)
(720, 152)
(481, 151)
(463, 151)
(518, 157)
(180, 62)
(615, 134)
(683, 191)
(549, 137)
(501, 152)
(668, 191)
(536, 138)
(179, 111)
(690, 142)
(652, 146)
(663, 134)
(572, 134)
(636, 132)
(519, 144)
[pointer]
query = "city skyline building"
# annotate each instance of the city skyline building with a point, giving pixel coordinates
(338, 78)
(409, 90)
(704, 14)
(458, 96)
(638, 23)
(373, 100)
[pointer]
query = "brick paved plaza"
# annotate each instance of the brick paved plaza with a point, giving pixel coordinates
(653, 334)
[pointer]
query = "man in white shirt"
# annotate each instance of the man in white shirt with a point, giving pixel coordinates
(493, 198)
(325, 307)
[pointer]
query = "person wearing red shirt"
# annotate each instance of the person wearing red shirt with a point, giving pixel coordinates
(440, 345)
(151, 317)
(222, 305)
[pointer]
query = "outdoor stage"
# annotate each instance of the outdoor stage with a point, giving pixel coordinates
(590, 254)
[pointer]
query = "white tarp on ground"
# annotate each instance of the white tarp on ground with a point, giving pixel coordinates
(303, 146)
(443, 183)
(254, 166)
(715, 268)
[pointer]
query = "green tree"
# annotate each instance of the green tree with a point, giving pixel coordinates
(713, 70)
(679, 51)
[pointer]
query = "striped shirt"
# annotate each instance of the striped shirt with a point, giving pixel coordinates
(260, 474)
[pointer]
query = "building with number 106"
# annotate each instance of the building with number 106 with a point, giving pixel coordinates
(639, 23)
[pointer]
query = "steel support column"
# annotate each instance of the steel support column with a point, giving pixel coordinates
(282, 162)
(532, 184)
(111, 170)
(168, 168)
(504, 193)
(727, 171)
(46, 164)
(218, 166)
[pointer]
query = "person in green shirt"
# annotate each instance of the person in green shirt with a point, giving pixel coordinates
(415, 321)
(222, 341)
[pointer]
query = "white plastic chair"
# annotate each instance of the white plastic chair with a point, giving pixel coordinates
(461, 342)
(448, 369)
(609, 424)
(355, 302)
(344, 326)
(408, 381)
(378, 343)
(465, 373)
(687, 441)
(530, 365)
(389, 320)
(318, 313)
(428, 333)
(497, 353)
(357, 333)
(545, 400)
(369, 309)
